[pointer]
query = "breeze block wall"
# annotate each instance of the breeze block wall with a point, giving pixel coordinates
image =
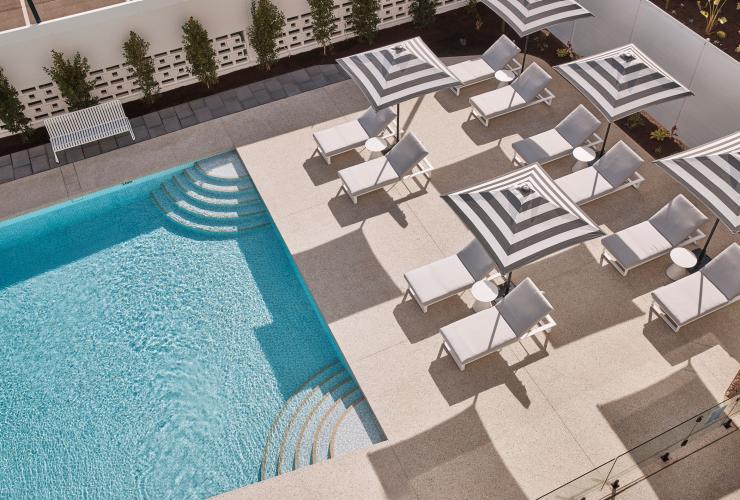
(99, 34)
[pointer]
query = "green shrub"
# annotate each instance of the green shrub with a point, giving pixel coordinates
(365, 19)
(660, 134)
(635, 120)
(267, 27)
(135, 53)
(472, 9)
(423, 12)
(70, 75)
(199, 52)
(11, 109)
(324, 23)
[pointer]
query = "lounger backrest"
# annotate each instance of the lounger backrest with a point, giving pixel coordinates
(531, 82)
(677, 220)
(578, 126)
(476, 260)
(406, 154)
(618, 164)
(498, 55)
(724, 271)
(373, 122)
(524, 307)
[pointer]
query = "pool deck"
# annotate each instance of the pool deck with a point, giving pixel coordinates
(515, 424)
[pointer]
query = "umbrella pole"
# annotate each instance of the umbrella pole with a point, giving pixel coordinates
(703, 252)
(524, 57)
(507, 286)
(398, 122)
(603, 144)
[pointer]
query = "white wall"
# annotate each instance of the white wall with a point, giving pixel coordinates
(98, 35)
(712, 75)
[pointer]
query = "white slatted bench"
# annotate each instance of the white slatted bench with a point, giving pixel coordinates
(87, 125)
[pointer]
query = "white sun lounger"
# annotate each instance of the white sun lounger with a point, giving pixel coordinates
(386, 170)
(573, 131)
(614, 171)
(715, 286)
(521, 314)
(528, 89)
(676, 224)
(351, 135)
(450, 276)
(500, 55)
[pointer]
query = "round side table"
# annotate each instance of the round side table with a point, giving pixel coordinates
(484, 293)
(583, 155)
(683, 259)
(504, 76)
(376, 145)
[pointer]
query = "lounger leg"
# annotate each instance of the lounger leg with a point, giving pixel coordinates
(354, 199)
(133, 138)
(56, 158)
(650, 312)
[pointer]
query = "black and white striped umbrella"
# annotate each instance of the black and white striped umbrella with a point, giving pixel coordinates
(712, 173)
(529, 16)
(398, 72)
(622, 81)
(521, 217)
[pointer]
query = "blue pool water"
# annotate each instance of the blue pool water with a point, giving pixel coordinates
(139, 360)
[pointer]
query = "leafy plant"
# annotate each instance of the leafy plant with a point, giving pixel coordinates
(324, 23)
(566, 51)
(472, 9)
(635, 120)
(70, 75)
(660, 134)
(423, 12)
(135, 53)
(11, 109)
(710, 11)
(267, 26)
(365, 19)
(199, 52)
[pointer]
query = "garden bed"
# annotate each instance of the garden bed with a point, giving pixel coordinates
(688, 13)
(452, 34)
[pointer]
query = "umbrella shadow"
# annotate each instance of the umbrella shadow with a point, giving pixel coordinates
(469, 171)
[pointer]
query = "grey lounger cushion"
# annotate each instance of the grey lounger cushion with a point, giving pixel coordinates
(451, 275)
(572, 131)
(724, 271)
(678, 219)
(496, 57)
(533, 80)
(618, 164)
(607, 174)
(492, 329)
(636, 244)
(373, 174)
(353, 134)
(688, 298)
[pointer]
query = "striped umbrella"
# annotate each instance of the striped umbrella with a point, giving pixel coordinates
(621, 82)
(712, 173)
(529, 16)
(521, 217)
(398, 72)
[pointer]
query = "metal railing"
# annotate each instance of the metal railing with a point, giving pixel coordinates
(623, 471)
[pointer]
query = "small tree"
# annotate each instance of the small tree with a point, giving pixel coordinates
(472, 9)
(324, 23)
(199, 52)
(135, 53)
(11, 109)
(267, 26)
(365, 19)
(70, 75)
(423, 12)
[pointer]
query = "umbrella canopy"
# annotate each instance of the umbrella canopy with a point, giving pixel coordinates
(397, 72)
(712, 173)
(521, 217)
(622, 81)
(529, 16)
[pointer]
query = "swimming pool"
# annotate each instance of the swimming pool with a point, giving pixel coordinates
(142, 358)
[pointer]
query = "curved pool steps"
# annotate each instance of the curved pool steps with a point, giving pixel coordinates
(322, 433)
(214, 200)
(221, 185)
(233, 215)
(356, 429)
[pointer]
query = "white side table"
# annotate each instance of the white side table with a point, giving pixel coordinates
(683, 260)
(376, 145)
(504, 76)
(484, 292)
(583, 155)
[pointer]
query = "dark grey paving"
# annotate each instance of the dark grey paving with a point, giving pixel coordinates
(40, 158)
